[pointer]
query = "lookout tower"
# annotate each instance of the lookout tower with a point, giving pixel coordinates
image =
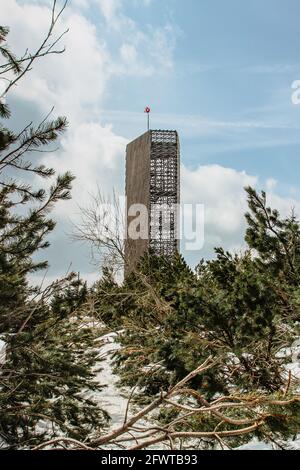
(153, 180)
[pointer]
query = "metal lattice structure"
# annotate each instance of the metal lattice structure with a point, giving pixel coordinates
(152, 180)
(164, 192)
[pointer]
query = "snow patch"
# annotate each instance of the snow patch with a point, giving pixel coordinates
(110, 398)
(2, 351)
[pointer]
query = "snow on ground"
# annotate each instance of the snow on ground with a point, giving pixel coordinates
(294, 354)
(110, 398)
(255, 444)
(2, 351)
(114, 402)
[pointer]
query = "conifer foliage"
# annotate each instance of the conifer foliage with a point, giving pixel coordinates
(242, 310)
(46, 377)
(204, 351)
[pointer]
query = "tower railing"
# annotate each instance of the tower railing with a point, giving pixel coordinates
(164, 192)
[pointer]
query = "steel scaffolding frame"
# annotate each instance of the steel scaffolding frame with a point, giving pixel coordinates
(164, 192)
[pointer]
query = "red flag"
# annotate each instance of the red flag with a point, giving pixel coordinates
(147, 110)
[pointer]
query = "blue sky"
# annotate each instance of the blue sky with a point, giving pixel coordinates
(218, 72)
(234, 63)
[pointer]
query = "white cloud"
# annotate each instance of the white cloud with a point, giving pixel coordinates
(79, 77)
(110, 10)
(128, 53)
(77, 82)
(149, 50)
(271, 184)
(163, 45)
(71, 81)
(221, 190)
(285, 205)
(74, 83)
(96, 156)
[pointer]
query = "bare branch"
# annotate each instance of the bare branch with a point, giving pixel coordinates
(40, 51)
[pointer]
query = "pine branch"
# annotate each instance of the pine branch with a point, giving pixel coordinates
(39, 52)
(15, 65)
(31, 138)
(4, 30)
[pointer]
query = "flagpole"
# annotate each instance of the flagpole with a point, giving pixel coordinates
(148, 111)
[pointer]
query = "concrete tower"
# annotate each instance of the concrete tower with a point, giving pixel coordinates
(153, 180)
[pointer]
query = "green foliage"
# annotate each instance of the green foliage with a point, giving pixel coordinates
(240, 309)
(276, 240)
(47, 380)
(49, 372)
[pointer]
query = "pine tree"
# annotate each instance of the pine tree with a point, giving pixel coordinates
(47, 381)
(276, 240)
(238, 309)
